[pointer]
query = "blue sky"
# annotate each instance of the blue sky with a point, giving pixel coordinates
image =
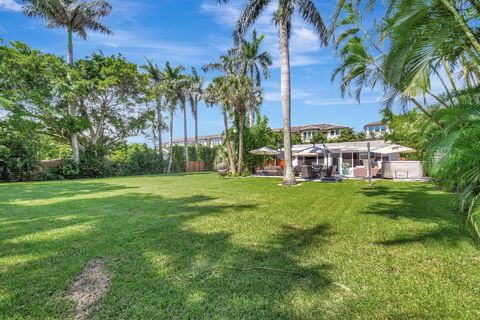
(196, 32)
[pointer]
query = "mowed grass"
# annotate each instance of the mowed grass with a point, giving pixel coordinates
(202, 247)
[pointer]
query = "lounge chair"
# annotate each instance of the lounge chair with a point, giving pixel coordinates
(307, 172)
(272, 171)
(330, 175)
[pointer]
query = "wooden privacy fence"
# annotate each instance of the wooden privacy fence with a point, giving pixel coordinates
(195, 166)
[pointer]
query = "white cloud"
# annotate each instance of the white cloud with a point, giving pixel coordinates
(145, 46)
(339, 101)
(10, 5)
(304, 40)
(225, 14)
(297, 94)
(304, 44)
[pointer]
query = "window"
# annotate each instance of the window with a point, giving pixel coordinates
(216, 141)
(307, 135)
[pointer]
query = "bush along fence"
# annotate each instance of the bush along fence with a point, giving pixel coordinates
(133, 159)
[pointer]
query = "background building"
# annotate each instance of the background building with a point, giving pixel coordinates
(376, 129)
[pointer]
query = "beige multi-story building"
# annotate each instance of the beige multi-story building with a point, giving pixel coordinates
(376, 129)
(208, 141)
(306, 132)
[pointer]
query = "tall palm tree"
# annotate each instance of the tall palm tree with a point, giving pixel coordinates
(77, 17)
(283, 18)
(195, 95)
(215, 95)
(254, 63)
(234, 92)
(157, 76)
(172, 86)
(183, 92)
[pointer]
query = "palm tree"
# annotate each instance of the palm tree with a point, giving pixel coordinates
(233, 92)
(253, 63)
(77, 17)
(183, 92)
(157, 76)
(172, 85)
(283, 19)
(215, 95)
(195, 95)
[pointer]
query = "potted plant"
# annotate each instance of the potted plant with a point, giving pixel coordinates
(222, 169)
(345, 168)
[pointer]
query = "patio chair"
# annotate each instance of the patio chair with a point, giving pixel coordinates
(307, 172)
(330, 175)
(296, 171)
(317, 170)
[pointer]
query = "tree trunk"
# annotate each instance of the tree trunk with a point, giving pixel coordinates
(71, 107)
(231, 159)
(154, 134)
(241, 125)
(251, 118)
(196, 130)
(159, 126)
(466, 29)
(185, 135)
(170, 151)
(289, 176)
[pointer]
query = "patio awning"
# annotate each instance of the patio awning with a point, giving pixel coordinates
(310, 152)
(264, 151)
(394, 148)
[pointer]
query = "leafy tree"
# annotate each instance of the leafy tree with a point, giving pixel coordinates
(32, 85)
(110, 92)
(19, 147)
(319, 137)
(406, 129)
(283, 19)
(77, 17)
(260, 135)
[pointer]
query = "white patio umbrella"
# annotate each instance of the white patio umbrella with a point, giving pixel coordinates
(394, 148)
(265, 151)
(310, 152)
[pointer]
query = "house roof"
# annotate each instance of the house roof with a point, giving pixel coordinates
(318, 126)
(376, 123)
(356, 146)
(207, 137)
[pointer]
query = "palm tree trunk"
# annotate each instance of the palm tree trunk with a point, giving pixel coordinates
(450, 76)
(170, 151)
(241, 126)
(289, 177)
(231, 159)
(159, 126)
(466, 29)
(251, 118)
(185, 135)
(71, 107)
(196, 131)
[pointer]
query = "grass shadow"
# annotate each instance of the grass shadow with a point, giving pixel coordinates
(416, 203)
(154, 253)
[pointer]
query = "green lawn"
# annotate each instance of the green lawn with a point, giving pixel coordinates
(201, 247)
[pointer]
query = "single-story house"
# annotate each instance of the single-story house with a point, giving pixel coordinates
(351, 159)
